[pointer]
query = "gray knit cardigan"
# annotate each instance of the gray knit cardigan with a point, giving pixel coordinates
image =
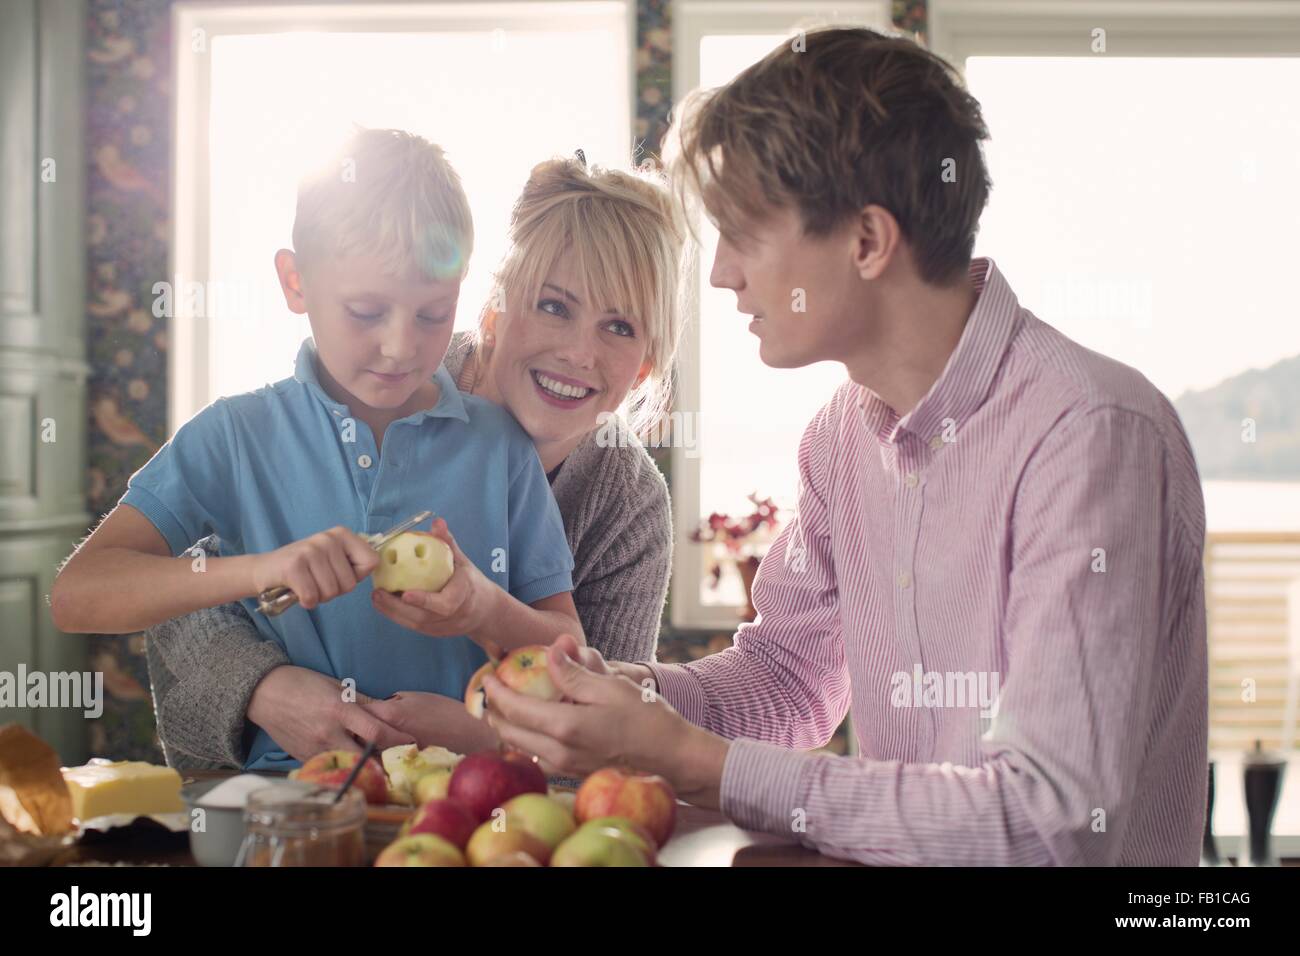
(204, 666)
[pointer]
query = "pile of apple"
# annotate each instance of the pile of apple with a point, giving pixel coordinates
(494, 809)
(497, 812)
(491, 809)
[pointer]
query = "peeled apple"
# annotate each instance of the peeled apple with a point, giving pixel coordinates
(414, 562)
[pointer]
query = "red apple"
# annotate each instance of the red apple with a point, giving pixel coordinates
(598, 846)
(488, 844)
(522, 670)
(445, 818)
(634, 833)
(485, 781)
(331, 769)
(645, 799)
(549, 821)
(423, 849)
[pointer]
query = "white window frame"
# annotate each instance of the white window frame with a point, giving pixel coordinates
(962, 28)
(692, 21)
(189, 335)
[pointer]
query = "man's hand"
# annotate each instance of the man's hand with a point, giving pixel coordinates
(318, 568)
(305, 714)
(611, 720)
(461, 607)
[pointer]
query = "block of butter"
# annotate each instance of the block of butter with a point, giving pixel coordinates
(102, 788)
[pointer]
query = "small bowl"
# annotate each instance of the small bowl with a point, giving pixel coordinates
(218, 842)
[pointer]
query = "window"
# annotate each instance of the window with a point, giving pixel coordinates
(1144, 201)
(750, 417)
(261, 91)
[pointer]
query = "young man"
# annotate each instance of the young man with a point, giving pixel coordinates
(996, 562)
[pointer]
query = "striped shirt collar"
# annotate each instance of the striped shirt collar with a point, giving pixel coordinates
(966, 380)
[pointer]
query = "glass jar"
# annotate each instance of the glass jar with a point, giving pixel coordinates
(299, 824)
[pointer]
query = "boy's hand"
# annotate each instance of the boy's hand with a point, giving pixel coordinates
(461, 607)
(317, 569)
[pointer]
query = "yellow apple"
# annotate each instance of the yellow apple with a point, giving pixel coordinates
(433, 785)
(414, 561)
(405, 764)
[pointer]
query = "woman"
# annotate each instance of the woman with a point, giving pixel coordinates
(584, 320)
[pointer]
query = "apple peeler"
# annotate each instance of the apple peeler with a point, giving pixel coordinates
(275, 601)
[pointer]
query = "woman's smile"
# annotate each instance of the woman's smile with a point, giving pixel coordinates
(560, 391)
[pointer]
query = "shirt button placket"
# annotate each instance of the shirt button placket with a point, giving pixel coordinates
(910, 489)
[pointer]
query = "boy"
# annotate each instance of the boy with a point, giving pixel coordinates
(996, 561)
(381, 240)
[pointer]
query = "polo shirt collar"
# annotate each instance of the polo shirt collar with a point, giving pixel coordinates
(451, 404)
(967, 378)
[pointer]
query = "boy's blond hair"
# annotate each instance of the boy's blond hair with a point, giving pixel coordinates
(388, 193)
(848, 119)
(627, 237)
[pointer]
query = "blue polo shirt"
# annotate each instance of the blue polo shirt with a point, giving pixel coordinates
(264, 469)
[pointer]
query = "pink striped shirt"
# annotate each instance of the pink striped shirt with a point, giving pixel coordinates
(1005, 587)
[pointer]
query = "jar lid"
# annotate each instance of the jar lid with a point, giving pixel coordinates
(298, 805)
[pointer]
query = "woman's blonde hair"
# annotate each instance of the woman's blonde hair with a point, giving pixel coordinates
(627, 236)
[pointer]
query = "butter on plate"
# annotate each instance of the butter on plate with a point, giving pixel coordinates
(102, 788)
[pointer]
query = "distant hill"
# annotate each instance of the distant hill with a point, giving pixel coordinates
(1213, 419)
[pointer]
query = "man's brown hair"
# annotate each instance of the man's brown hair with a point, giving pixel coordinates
(833, 122)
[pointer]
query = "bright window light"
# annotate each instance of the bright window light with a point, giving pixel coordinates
(752, 416)
(498, 102)
(1147, 207)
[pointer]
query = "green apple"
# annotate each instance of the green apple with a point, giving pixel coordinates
(541, 816)
(635, 833)
(598, 846)
(414, 561)
(423, 849)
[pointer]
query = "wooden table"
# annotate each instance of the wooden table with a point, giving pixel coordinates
(702, 838)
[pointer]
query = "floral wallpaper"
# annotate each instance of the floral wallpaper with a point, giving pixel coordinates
(128, 220)
(128, 103)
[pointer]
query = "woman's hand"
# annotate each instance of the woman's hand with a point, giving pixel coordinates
(461, 607)
(608, 720)
(305, 713)
(433, 719)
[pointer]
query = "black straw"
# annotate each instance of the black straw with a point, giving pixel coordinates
(365, 755)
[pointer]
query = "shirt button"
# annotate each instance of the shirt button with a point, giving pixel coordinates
(911, 480)
(364, 461)
(904, 579)
(936, 442)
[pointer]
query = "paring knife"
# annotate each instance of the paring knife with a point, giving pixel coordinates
(275, 601)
